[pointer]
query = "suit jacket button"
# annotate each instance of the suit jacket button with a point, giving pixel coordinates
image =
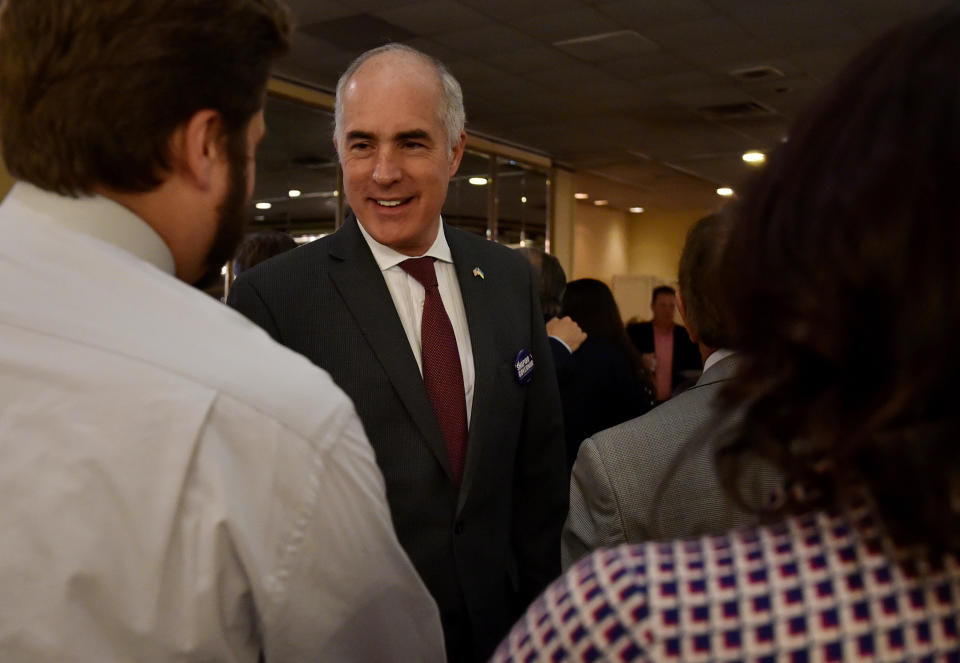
(458, 528)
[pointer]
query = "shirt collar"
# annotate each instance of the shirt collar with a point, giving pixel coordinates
(387, 257)
(98, 217)
(715, 356)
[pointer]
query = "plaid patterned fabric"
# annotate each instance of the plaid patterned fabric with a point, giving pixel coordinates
(814, 588)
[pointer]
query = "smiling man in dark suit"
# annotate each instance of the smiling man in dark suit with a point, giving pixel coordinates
(445, 355)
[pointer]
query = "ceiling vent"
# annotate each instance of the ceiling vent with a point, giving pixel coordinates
(740, 111)
(758, 73)
(357, 33)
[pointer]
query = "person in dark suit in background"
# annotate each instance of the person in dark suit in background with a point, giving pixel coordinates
(606, 383)
(666, 346)
(445, 356)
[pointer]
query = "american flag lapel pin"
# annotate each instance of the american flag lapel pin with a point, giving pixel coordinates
(478, 273)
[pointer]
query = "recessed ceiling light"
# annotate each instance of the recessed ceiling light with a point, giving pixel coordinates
(754, 157)
(263, 205)
(294, 193)
(600, 203)
(581, 196)
(636, 210)
(478, 181)
(725, 191)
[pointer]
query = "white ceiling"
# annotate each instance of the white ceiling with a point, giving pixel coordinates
(617, 89)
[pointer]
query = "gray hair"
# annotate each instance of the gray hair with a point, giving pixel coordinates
(452, 115)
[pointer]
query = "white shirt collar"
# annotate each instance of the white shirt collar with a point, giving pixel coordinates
(715, 356)
(98, 217)
(387, 257)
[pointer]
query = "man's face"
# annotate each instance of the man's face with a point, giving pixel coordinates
(394, 151)
(663, 308)
(231, 212)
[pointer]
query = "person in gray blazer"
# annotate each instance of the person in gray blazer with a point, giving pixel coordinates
(653, 477)
(449, 368)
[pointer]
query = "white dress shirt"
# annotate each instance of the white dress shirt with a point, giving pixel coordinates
(408, 296)
(174, 486)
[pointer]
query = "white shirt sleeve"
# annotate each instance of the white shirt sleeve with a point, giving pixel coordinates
(337, 586)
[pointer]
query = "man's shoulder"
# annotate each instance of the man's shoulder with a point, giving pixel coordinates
(667, 425)
(235, 357)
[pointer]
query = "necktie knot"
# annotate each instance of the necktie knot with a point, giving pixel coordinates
(422, 270)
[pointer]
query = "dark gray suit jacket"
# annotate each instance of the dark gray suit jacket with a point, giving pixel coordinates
(488, 549)
(653, 478)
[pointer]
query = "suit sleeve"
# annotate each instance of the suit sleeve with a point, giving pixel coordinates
(540, 479)
(245, 297)
(594, 520)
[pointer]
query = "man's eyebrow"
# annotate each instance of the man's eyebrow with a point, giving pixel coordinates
(413, 134)
(359, 135)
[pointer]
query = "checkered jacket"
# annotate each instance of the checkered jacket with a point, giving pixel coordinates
(814, 588)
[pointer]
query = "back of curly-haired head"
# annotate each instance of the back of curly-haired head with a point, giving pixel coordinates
(843, 288)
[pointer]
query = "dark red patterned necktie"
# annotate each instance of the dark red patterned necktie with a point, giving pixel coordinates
(442, 374)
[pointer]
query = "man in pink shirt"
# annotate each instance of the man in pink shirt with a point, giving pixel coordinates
(676, 359)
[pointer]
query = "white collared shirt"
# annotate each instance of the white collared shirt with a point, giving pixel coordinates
(173, 484)
(715, 356)
(408, 296)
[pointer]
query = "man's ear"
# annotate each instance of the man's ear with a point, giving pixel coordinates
(197, 148)
(457, 154)
(691, 329)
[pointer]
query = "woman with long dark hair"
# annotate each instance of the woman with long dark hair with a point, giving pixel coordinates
(606, 383)
(843, 276)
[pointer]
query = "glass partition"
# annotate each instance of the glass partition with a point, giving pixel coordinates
(522, 204)
(297, 185)
(468, 198)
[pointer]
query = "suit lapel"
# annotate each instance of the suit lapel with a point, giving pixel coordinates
(480, 318)
(360, 283)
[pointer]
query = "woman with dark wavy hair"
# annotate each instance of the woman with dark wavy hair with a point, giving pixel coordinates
(843, 275)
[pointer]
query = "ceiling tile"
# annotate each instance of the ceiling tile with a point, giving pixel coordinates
(358, 33)
(550, 26)
(645, 66)
(510, 10)
(677, 37)
(314, 61)
(485, 40)
(432, 48)
(469, 70)
(372, 5)
(641, 14)
(607, 47)
(311, 11)
(526, 60)
(427, 18)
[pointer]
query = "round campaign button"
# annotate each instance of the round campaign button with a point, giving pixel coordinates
(523, 367)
